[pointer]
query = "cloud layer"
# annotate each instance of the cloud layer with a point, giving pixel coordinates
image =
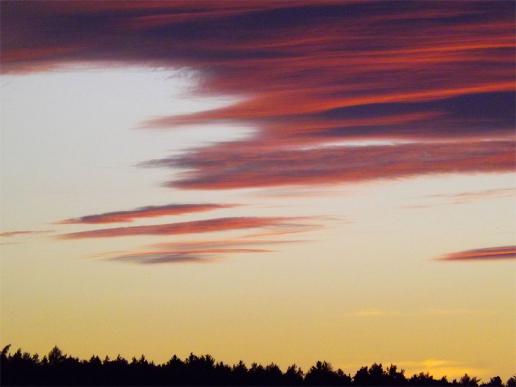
(423, 87)
(312, 74)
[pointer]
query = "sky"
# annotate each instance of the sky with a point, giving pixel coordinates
(284, 181)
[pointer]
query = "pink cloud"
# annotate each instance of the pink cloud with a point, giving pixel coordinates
(192, 227)
(337, 71)
(144, 212)
(230, 166)
(485, 254)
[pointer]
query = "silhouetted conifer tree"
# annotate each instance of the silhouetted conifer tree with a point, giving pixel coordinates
(58, 369)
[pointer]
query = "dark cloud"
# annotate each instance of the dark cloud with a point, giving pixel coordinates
(187, 256)
(313, 73)
(222, 168)
(152, 258)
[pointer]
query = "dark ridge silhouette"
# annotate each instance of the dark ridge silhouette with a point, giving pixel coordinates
(58, 369)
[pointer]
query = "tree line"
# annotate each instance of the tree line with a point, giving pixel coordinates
(58, 369)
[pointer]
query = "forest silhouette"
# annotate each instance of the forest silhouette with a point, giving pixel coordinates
(58, 369)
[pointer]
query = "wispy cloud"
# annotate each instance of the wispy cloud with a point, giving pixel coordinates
(224, 168)
(220, 244)
(10, 234)
(463, 197)
(485, 254)
(163, 257)
(470, 196)
(198, 251)
(178, 256)
(192, 227)
(144, 212)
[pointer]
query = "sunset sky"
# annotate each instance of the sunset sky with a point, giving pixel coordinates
(284, 181)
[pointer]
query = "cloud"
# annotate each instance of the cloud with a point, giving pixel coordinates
(144, 212)
(187, 256)
(435, 80)
(320, 73)
(9, 234)
(220, 243)
(227, 166)
(198, 251)
(192, 227)
(485, 254)
(470, 196)
(463, 197)
(161, 257)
